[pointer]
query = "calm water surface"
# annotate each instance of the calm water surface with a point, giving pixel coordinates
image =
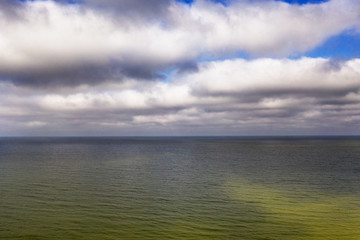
(180, 188)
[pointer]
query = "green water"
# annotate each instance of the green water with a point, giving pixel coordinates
(180, 188)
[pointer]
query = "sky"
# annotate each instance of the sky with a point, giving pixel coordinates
(179, 68)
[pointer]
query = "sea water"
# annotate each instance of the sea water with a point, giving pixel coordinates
(180, 188)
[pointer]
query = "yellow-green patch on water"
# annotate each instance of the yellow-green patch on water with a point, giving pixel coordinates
(299, 213)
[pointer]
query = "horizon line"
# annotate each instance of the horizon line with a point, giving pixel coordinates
(183, 136)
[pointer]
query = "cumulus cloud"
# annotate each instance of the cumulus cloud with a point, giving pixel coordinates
(269, 77)
(162, 67)
(236, 97)
(56, 44)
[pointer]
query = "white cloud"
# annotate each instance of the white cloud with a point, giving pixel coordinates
(275, 75)
(267, 28)
(53, 41)
(228, 97)
(80, 69)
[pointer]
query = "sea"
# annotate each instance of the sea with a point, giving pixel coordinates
(241, 188)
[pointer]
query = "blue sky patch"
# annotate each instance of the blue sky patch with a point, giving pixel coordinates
(345, 46)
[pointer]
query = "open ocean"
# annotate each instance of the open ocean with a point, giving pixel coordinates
(180, 188)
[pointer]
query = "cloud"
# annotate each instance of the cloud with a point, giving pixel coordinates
(10, 9)
(55, 44)
(274, 77)
(131, 8)
(236, 97)
(162, 67)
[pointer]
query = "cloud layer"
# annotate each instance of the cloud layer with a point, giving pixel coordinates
(229, 97)
(53, 43)
(121, 68)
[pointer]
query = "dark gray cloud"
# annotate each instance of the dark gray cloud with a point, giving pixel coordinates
(52, 78)
(154, 8)
(133, 9)
(11, 9)
(89, 74)
(94, 73)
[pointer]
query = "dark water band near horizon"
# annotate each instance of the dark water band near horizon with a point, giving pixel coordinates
(243, 188)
